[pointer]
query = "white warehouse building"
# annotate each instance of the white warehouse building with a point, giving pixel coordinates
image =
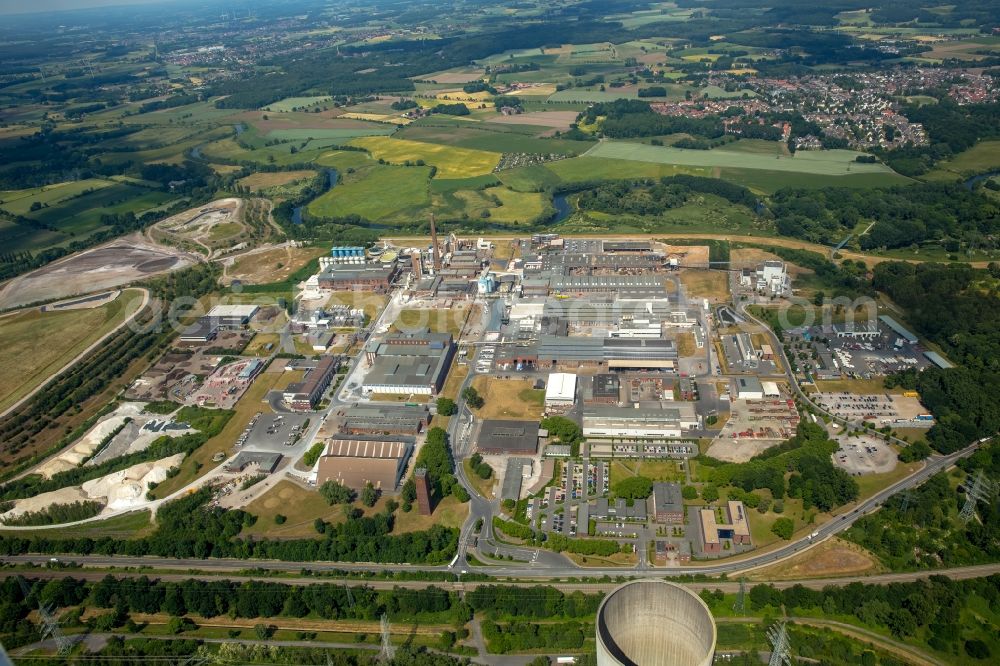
(628, 422)
(560, 391)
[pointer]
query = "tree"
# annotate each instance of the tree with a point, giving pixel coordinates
(320, 525)
(689, 493)
(472, 397)
(634, 487)
(460, 493)
(279, 519)
(335, 492)
(784, 528)
(710, 493)
(369, 495)
(446, 407)
(483, 470)
(977, 649)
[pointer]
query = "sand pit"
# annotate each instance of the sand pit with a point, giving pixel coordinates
(105, 267)
(133, 437)
(119, 491)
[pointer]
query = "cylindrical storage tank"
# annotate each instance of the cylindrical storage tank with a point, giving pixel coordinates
(651, 622)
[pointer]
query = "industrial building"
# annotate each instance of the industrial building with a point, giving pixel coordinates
(368, 277)
(626, 422)
(734, 527)
(355, 460)
(552, 351)
(897, 328)
(619, 510)
(304, 395)
(409, 363)
(865, 329)
(202, 330)
(502, 437)
(603, 389)
(651, 622)
(370, 419)
(265, 462)
(232, 316)
(749, 388)
(668, 503)
(560, 392)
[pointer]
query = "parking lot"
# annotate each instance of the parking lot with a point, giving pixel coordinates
(273, 432)
(864, 455)
(881, 409)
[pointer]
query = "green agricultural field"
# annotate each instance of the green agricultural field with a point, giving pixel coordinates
(768, 182)
(343, 159)
(451, 162)
(290, 103)
(495, 138)
(381, 193)
(821, 162)
(596, 167)
(19, 202)
(37, 345)
(344, 134)
(982, 157)
(446, 185)
(589, 96)
(530, 178)
(78, 217)
(517, 208)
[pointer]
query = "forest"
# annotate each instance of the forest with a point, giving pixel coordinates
(650, 197)
(625, 119)
(904, 216)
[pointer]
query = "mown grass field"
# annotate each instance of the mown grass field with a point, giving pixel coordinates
(451, 162)
(290, 103)
(378, 194)
(346, 134)
(822, 162)
(37, 345)
(264, 179)
(18, 202)
(982, 157)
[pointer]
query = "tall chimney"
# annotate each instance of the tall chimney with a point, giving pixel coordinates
(434, 246)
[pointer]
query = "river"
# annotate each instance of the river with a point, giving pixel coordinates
(332, 178)
(563, 208)
(971, 182)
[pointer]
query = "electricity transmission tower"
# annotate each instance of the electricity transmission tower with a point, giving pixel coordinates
(388, 651)
(778, 636)
(50, 625)
(978, 491)
(740, 604)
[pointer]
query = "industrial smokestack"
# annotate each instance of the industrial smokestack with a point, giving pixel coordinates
(434, 246)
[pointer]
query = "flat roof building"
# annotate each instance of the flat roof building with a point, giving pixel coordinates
(371, 277)
(734, 527)
(668, 503)
(497, 436)
(749, 388)
(898, 329)
(233, 316)
(409, 363)
(355, 460)
(202, 330)
(369, 419)
(627, 422)
(304, 395)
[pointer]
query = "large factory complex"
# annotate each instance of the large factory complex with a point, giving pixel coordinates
(641, 347)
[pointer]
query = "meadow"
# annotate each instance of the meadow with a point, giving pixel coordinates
(821, 162)
(291, 103)
(37, 345)
(982, 157)
(367, 194)
(451, 162)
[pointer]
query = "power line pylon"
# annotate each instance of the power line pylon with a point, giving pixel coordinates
(50, 625)
(740, 604)
(978, 491)
(388, 651)
(778, 635)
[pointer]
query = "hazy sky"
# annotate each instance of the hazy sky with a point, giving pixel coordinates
(30, 6)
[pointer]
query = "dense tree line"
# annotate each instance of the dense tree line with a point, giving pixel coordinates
(55, 514)
(625, 118)
(903, 216)
(651, 197)
(951, 129)
(187, 528)
(517, 636)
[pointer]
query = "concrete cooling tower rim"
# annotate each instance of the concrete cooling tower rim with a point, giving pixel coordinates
(652, 622)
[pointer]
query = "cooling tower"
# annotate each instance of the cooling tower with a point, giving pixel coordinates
(651, 622)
